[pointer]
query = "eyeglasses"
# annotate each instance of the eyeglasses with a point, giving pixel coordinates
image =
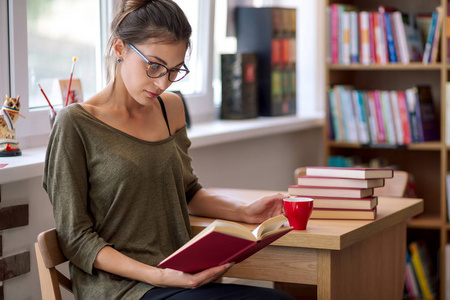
(156, 70)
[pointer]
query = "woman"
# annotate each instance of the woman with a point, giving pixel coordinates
(119, 176)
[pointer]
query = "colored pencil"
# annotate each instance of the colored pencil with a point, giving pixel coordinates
(74, 59)
(48, 101)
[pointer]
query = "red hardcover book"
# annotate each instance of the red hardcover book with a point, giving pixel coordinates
(340, 182)
(373, 50)
(402, 106)
(380, 121)
(344, 214)
(335, 33)
(341, 172)
(222, 242)
(316, 191)
(366, 203)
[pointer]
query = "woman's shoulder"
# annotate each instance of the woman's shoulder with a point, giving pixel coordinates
(174, 109)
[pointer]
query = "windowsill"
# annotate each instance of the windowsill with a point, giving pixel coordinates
(31, 163)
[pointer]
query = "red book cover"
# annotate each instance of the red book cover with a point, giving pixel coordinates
(340, 192)
(366, 203)
(222, 242)
(340, 182)
(344, 214)
(373, 52)
(380, 121)
(334, 33)
(402, 106)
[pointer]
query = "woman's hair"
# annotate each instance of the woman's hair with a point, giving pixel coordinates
(136, 21)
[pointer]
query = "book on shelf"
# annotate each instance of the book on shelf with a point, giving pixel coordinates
(270, 32)
(343, 214)
(447, 25)
(433, 35)
(424, 269)
(239, 86)
(361, 173)
(382, 116)
(385, 35)
(411, 283)
(447, 191)
(342, 192)
(447, 110)
(366, 203)
(437, 36)
(340, 182)
(362, 124)
(447, 271)
(222, 242)
(413, 37)
(427, 121)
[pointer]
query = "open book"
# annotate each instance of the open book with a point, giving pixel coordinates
(222, 242)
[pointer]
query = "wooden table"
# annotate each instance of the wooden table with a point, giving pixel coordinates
(346, 259)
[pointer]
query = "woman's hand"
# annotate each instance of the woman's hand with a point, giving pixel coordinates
(174, 278)
(264, 208)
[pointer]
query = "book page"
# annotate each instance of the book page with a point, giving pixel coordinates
(269, 226)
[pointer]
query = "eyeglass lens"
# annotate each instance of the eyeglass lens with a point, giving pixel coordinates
(156, 70)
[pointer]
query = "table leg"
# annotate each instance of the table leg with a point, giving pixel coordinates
(371, 269)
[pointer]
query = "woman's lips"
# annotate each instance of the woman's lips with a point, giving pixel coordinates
(153, 95)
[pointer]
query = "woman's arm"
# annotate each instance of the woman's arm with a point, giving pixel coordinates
(208, 204)
(110, 260)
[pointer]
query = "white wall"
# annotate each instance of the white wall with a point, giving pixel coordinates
(259, 163)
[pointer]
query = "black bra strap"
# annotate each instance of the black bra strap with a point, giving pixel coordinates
(163, 108)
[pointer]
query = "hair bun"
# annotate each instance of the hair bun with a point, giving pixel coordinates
(132, 5)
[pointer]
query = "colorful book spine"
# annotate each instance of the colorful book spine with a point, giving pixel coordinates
(354, 38)
(401, 37)
(361, 117)
(335, 33)
(403, 109)
(390, 39)
(364, 38)
(372, 40)
(380, 119)
(427, 52)
(388, 119)
(437, 35)
(335, 118)
(396, 116)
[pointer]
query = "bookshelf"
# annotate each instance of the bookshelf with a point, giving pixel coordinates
(428, 162)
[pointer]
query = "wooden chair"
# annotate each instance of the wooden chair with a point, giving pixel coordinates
(395, 186)
(49, 255)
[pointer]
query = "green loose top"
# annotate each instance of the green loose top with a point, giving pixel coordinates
(110, 188)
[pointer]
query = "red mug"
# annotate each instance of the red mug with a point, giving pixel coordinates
(298, 210)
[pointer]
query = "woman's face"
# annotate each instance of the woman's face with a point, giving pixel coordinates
(142, 88)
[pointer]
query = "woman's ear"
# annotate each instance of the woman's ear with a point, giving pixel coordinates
(119, 48)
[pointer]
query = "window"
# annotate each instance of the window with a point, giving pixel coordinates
(58, 30)
(4, 53)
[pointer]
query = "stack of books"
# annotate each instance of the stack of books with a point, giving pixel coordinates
(341, 193)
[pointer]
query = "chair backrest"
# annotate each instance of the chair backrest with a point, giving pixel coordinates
(393, 187)
(49, 255)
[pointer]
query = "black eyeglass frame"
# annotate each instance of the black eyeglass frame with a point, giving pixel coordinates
(149, 63)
